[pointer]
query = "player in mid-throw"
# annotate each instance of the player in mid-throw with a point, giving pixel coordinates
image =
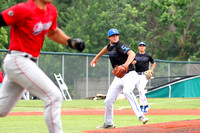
(119, 54)
(141, 62)
(30, 22)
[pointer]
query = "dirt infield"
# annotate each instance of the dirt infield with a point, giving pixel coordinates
(189, 126)
(116, 112)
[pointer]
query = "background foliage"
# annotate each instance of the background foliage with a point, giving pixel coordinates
(169, 27)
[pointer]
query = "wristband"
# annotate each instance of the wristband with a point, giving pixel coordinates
(69, 41)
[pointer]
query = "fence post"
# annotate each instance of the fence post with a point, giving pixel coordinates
(63, 66)
(168, 72)
(86, 76)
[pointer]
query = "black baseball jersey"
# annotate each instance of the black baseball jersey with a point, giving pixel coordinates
(118, 54)
(143, 62)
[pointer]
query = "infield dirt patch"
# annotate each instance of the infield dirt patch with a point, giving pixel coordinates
(188, 126)
(116, 112)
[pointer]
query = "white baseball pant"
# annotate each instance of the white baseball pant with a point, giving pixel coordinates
(126, 85)
(141, 84)
(22, 73)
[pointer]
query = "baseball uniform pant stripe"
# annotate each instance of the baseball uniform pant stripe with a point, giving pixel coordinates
(136, 105)
(51, 103)
(129, 85)
(119, 85)
(27, 75)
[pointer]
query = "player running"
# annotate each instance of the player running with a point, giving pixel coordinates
(30, 22)
(119, 54)
(141, 62)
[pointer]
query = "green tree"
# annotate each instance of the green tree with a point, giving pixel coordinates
(170, 28)
(3, 38)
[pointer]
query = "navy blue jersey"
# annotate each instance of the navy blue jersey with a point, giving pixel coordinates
(143, 62)
(118, 54)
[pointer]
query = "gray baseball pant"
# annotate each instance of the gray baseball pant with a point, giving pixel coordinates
(22, 73)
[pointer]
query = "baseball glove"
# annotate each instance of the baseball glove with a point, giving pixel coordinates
(76, 44)
(148, 74)
(120, 71)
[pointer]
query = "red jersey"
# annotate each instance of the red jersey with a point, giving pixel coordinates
(1, 77)
(29, 25)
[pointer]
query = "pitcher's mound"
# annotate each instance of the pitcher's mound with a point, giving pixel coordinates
(187, 126)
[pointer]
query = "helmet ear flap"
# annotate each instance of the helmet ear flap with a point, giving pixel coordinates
(112, 32)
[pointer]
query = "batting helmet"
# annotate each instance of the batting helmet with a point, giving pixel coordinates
(113, 32)
(141, 43)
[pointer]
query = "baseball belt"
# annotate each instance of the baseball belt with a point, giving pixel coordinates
(24, 55)
(140, 73)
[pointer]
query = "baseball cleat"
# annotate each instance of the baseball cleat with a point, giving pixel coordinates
(105, 126)
(146, 108)
(143, 119)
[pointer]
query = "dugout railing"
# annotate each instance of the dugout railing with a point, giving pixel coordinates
(84, 81)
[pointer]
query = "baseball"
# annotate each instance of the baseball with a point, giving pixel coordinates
(93, 65)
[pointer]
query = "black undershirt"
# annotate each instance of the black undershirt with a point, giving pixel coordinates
(2, 22)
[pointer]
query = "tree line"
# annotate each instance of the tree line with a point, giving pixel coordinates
(170, 28)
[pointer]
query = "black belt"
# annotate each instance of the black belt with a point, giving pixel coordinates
(27, 56)
(140, 73)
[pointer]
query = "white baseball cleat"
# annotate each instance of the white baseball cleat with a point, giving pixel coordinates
(143, 119)
(105, 126)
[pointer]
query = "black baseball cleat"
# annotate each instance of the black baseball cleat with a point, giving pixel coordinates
(105, 126)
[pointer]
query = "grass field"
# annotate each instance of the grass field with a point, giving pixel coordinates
(75, 123)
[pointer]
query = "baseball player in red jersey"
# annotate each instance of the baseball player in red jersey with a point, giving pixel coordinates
(30, 22)
(119, 53)
(141, 62)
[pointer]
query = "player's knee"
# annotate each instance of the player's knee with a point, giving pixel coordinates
(55, 99)
(108, 105)
(58, 97)
(128, 94)
(108, 102)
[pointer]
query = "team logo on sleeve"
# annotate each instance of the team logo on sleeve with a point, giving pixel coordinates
(39, 27)
(125, 48)
(10, 13)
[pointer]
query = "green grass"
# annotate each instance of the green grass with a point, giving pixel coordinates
(155, 103)
(76, 124)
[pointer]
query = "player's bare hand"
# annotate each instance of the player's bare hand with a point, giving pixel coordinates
(134, 62)
(93, 63)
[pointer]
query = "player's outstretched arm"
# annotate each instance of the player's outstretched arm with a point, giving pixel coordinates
(59, 36)
(102, 52)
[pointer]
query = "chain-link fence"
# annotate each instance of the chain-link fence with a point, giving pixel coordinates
(84, 81)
